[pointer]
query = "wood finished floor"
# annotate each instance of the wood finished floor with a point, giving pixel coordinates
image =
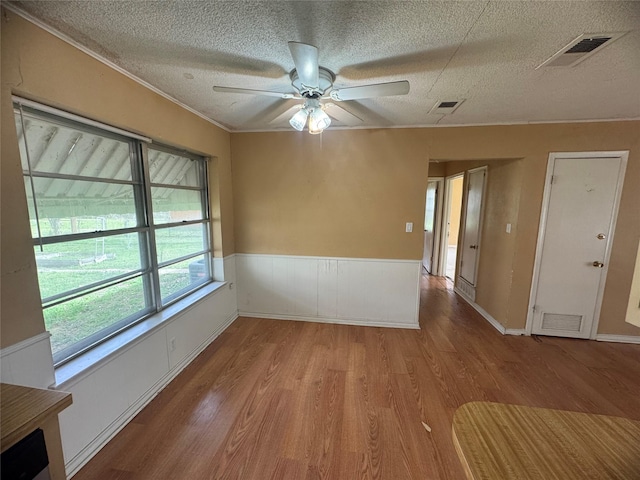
(293, 400)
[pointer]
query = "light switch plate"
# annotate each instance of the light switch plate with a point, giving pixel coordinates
(409, 227)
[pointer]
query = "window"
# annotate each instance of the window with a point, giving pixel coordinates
(120, 227)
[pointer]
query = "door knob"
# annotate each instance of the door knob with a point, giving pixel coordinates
(598, 264)
(601, 236)
(473, 246)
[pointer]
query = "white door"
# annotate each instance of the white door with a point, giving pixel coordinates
(429, 225)
(471, 231)
(576, 231)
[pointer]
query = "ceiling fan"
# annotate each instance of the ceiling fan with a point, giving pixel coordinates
(314, 83)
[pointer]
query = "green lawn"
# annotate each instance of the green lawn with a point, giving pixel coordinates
(76, 319)
(64, 267)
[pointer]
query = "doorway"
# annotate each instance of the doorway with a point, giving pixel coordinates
(451, 224)
(432, 220)
(472, 225)
(579, 212)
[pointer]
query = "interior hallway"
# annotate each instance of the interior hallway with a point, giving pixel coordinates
(450, 270)
(294, 400)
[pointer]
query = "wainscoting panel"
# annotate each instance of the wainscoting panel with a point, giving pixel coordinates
(103, 396)
(328, 288)
(198, 323)
(375, 292)
(28, 363)
(107, 397)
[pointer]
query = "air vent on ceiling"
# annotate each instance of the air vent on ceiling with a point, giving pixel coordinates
(587, 45)
(446, 107)
(580, 48)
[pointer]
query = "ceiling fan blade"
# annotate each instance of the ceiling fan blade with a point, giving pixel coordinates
(371, 91)
(305, 58)
(342, 115)
(286, 115)
(253, 92)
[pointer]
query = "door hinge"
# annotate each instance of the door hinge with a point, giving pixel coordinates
(534, 308)
(553, 179)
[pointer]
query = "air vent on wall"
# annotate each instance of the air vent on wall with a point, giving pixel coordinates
(555, 321)
(580, 48)
(446, 107)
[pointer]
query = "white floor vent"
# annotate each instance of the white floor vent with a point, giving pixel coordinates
(466, 289)
(555, 321)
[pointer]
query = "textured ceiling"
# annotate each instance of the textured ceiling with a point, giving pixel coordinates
(485, 52)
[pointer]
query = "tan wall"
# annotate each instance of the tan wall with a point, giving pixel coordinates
(39, 66)
(345, 193)
(349, 193)
(495, 269)
(456, 210)
(437, 169)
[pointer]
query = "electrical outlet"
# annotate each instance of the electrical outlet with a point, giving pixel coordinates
(409, 227)
(508, 228)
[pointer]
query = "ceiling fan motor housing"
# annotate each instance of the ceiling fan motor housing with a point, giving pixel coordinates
(325, 81)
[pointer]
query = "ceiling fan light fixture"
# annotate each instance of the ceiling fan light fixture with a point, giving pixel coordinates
(313, 115)
(299, 120)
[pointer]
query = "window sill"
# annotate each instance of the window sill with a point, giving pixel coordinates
(87, 362)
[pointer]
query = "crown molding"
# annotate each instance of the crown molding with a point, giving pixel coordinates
(459, 125)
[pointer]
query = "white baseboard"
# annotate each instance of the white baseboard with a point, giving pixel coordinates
(618, 338)
(516, 331)
(87, 453)
(338, 321)
(495, 323)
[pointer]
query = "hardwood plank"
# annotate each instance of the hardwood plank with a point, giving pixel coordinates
(293, 400)
(354, 466)
(286, 469)
(356, 414)
(326, 447)
(339, 348)
(393, 462)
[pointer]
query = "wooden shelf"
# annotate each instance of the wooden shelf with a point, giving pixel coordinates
(24, 409)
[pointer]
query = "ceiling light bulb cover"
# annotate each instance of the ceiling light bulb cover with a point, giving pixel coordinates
(311, 111)
(319, 120)
(299, 120)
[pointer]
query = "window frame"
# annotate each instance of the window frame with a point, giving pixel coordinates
(205, 221)
(145, 228)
